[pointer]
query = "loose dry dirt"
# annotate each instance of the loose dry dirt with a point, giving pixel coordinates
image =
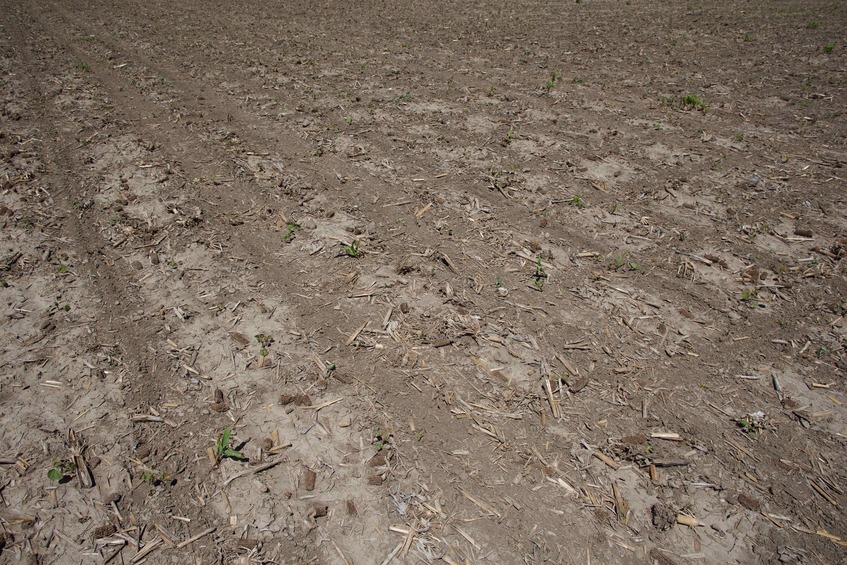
(469, 282)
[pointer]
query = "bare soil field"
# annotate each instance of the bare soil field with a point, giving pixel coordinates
(423, 282)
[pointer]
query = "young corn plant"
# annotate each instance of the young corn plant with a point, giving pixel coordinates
(351, 250)
(223, 449)
(539, 276)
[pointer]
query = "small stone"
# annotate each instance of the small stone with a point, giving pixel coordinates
(344, 422)
(404, 307)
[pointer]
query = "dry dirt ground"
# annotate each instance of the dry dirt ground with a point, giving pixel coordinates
(468, 282)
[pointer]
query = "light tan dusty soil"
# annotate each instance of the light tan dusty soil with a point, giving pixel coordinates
(469, 282)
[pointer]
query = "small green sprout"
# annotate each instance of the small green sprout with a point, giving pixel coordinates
(351, 250)
(289, 231)
(693, 101)
(750, 297)
(380, 440)
(829, 47)
(61, 468)
(223, 449)
(405, 97)
(540, 275)
(154, 478)
(812, 25)
(554, 78)
(578, 201)
(619, 261)
(265, 341)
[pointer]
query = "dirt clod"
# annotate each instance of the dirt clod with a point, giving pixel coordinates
(104, 531)
(664, 518)
(295, 400)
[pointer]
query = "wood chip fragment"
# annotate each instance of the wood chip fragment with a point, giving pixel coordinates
(579, 384)
(192, 539)
(689, 521)
(607, 460)
(308, 480)
(253, 470)
(670, 462)
(666, 436)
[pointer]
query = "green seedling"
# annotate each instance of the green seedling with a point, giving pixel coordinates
(84, 66)
(63, 268)
(289, 230)
(821, 351)
(747, 38)
(750, 425)
(633, 266)
(812, 25)
(153, 478)
(61, 469)
(693, 101)
(223, 449)
(616, 207)
(265, 341)
(619, 261)
(405, 97)
(539, 276)
(554, 78)
(351, 250)
(829, 47)
(577, 201)
(380, 440)
(750, 297)
(578, 80)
